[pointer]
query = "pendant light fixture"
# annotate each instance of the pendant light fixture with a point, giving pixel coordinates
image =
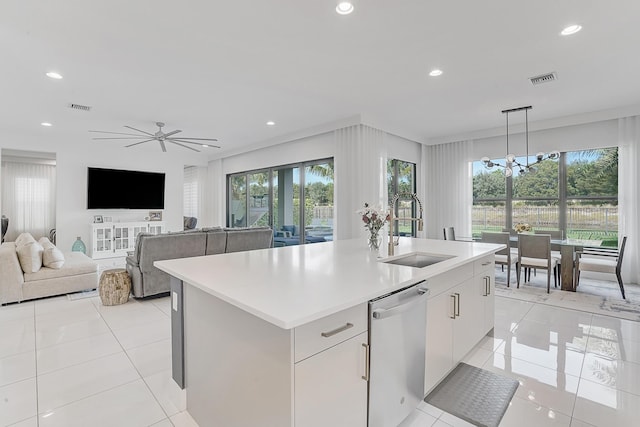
(510, 159)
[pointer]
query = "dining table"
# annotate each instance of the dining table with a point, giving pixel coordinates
(568, 249)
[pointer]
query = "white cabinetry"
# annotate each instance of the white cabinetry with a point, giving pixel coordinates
(458, 317)
(116, 239)
(333, 379)
(485, 277)
(331, 370)
(468, 318)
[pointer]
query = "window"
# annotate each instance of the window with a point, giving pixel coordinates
(28, 198)
(190, 198)
(577, 194)
(295, 200)
(401, 178)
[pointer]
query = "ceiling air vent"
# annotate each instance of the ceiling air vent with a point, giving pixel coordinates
(80, 107)
(544, 78)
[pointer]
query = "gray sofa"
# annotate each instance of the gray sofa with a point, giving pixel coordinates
(147, 280)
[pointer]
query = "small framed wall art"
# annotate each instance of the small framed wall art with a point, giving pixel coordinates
(155, 215)
(97, 219)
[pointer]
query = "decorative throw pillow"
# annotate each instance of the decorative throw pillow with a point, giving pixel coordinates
(30, 256)
(52, 257)
(24, 238)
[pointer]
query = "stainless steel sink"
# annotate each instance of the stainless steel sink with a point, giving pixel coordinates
(418, 259)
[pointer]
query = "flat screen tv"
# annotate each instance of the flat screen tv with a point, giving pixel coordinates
(124, 189)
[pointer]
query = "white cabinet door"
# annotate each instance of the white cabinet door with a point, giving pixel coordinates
(329, 388)
(468, 325)
(486, 281)
(121, 237)
(439, 357)
(156, 228)
(101, 241)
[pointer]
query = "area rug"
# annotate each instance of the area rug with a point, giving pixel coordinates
(475, 395)
(593, 296)
(82, 295)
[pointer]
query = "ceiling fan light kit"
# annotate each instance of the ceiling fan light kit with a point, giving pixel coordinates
(159, 136)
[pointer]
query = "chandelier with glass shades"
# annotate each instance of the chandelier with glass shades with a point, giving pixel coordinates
(510, 159)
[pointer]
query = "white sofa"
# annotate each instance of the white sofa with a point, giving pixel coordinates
(78, 273)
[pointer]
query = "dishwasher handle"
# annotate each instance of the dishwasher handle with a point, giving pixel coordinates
(383, 313)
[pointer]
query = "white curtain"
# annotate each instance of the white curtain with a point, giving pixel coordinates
(194, 191)
(28, 198)
(448, 187)
(360, 176)
(216, 195)
(629, 195)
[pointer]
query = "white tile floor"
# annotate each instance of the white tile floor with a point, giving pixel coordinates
(78, 363)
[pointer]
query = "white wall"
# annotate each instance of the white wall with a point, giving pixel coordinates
(75, 153)
(309, 148)
(314, 147)
(568, 138)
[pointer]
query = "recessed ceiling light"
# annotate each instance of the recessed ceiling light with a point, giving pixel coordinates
(205, 145)
(344, 7)
(271, 123)
(47, 124)
(435, 73)
(571, 29)
(54, 75)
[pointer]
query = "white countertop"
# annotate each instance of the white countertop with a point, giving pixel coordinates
(293, 285)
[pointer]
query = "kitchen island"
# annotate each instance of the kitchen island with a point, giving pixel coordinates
(279, 337)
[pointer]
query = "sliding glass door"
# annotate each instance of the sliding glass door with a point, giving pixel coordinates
(295, 200)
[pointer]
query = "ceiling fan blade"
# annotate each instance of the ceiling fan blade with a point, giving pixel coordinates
(136, 143)
(121, 137)
(173, 132)
(116, 133)
(184, 146)
(190, 142)
(138, 130)
(164, 149)
(199, 139)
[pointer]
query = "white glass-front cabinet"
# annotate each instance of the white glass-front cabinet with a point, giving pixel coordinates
(116, 239)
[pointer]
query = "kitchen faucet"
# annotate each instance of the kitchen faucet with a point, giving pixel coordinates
(394, 199)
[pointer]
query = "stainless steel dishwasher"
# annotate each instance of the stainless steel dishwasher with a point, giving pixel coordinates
(397, 338)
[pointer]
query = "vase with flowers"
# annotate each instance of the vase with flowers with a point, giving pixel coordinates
(374, 220)
(522, 227)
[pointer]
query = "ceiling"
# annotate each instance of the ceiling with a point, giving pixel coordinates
(222, 69)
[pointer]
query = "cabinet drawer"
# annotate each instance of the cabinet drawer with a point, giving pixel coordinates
(483, 264)
(323, 333)
(445, 281)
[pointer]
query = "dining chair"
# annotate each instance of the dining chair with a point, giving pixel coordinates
(534, 251)
(601, 260)
(5, 226)
(555, 248)
(504, 256)
(449, 233)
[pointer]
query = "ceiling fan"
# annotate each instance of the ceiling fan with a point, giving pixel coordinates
(159, 136)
